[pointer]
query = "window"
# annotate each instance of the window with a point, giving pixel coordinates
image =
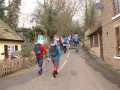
(117, 41)
(94, 40)
(10, 50)
(116, 7)
(91, 41)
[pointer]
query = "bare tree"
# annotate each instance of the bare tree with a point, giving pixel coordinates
(91, 15)
(13, 13)
(56, 15)
(2, 9)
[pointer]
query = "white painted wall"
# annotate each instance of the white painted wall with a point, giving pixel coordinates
(2, 43)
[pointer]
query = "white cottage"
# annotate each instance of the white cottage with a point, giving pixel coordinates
(10, 41)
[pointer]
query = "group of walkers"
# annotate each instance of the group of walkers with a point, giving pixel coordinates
(69, 41)
(54, 51)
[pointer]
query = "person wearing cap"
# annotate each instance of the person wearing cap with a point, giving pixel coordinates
(39, 50)
(55, 54)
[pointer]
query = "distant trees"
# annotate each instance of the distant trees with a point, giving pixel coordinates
(92, 16)
(10, 13)
(2, 9)
(31, 33)
(13, 13)
(56, 16)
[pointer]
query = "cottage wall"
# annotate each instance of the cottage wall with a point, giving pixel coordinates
(2, 43)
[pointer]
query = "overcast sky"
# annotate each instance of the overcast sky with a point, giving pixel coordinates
(27, 8)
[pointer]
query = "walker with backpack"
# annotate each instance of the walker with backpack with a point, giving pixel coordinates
(37, 49)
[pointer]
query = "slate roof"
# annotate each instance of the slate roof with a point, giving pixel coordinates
(7, 34)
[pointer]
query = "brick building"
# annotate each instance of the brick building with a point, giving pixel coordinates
(111, 32)
(107, 44)
(95, 41)
(93, 36)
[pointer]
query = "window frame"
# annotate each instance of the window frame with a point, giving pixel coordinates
(94, 40)
(116, 9)
(117, 41)
(91, 41)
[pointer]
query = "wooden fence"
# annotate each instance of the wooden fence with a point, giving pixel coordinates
(13, 65)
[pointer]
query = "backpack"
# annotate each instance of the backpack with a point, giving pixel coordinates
(65, 40)
(37, 49)
(76, 39)
(53, 51)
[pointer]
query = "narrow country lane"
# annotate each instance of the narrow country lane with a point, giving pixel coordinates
(74, 74)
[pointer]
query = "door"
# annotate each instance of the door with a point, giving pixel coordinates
(101, 44)
(6, 51)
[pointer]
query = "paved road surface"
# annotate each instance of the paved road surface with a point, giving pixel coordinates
(75, 74)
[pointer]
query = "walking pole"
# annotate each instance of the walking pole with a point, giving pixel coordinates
(45, 68)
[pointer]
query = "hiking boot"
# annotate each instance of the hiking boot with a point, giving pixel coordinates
(54, 75)
(55, 72)
(40, 72)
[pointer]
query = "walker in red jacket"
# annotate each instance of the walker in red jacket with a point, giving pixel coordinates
(39, 50)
